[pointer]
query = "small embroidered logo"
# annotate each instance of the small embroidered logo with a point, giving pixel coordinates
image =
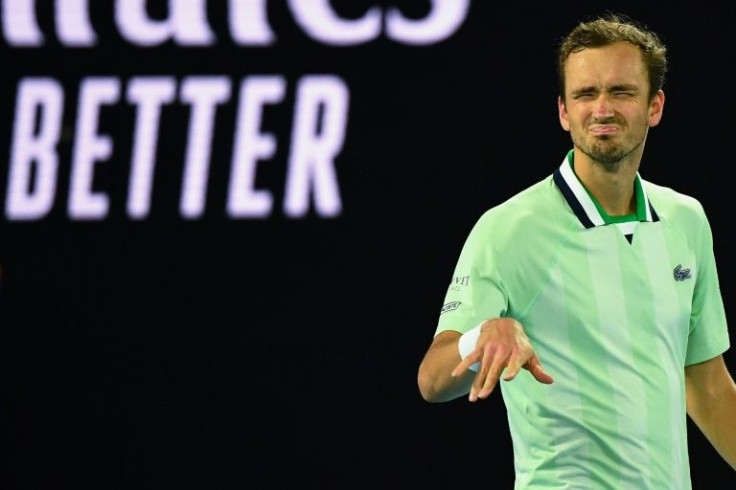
(681, 274)
(450, 307)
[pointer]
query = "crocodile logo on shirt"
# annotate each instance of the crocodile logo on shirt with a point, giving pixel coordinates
(681, 274)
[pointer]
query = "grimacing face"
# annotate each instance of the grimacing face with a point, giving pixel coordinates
(606, 107)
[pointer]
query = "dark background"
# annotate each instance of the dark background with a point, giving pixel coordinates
(275, 352)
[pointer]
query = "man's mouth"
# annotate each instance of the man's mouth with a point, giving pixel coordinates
(603, 129)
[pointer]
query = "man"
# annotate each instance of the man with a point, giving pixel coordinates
(606, 280)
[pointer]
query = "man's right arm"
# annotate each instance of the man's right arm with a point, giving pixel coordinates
(502, 344)
(436, 383)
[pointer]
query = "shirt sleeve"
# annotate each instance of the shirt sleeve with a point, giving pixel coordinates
(475, 292)
(708, 327)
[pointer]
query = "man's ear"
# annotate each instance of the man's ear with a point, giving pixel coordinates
(656, 106)
(562, 112)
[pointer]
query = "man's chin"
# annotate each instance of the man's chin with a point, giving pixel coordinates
(606, 156)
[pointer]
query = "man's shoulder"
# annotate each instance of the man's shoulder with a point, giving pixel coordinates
(538, 198)
(672, 204)
(529, 211)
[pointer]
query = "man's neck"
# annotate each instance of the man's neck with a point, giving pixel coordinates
(613, 188)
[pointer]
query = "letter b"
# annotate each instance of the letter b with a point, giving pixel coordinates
(39, 99)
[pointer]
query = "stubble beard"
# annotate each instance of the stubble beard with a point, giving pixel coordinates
(605, 152)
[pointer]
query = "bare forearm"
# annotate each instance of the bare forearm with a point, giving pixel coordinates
(718, 424)
(711, 403)
(436, 383)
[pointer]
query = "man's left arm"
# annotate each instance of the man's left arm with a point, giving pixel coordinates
(711, 403)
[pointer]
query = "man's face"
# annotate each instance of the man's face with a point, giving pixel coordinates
(607, 108)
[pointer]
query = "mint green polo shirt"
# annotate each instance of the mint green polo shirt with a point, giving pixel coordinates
(614, 320)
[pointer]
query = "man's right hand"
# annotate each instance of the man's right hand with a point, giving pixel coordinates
(502, 344)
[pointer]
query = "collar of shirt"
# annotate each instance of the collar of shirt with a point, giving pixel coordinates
(588, 211)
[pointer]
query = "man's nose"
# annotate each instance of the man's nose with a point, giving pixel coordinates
(603, 107)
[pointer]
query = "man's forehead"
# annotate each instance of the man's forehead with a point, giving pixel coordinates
(609, 65)
(618, 54)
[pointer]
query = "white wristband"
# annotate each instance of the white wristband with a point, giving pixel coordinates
(466, 345)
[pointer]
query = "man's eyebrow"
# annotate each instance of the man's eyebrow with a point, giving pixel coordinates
(613, 88)
(583, 90)
(625, 87)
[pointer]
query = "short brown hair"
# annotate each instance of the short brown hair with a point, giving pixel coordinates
(611, 28)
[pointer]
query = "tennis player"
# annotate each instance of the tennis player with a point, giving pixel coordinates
(594, 294)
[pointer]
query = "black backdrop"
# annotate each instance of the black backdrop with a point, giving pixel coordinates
(275, 351)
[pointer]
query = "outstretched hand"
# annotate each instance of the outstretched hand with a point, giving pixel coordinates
(502, 345)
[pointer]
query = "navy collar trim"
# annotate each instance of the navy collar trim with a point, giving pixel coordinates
(582, 204)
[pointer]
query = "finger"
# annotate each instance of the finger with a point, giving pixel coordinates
(473, 395)
(478, 381)
(493, 374)
(513, 368)
(535, 367)
(465, 364)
